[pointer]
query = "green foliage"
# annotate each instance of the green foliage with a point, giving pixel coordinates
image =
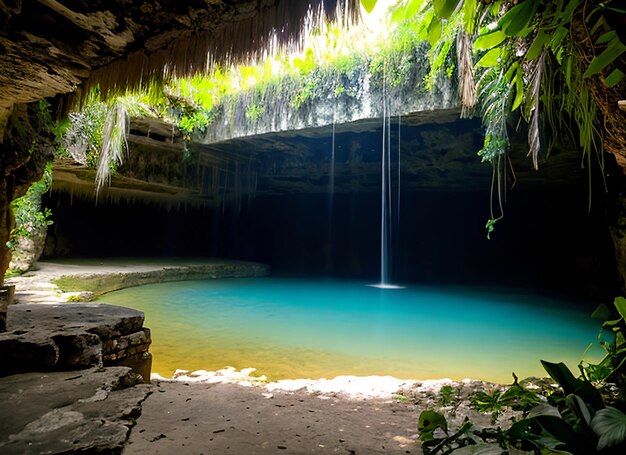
(419, 22)
(368, 5)
(429, 422)
(114, 145)
(96, 135)
(254, 111)
(332, 59)
(197, 120)
(308, 92)
(83, 136)
(525, 59)
(496, 401)
(448, 395)
(574, 421)
(612, 367)
(30, 217)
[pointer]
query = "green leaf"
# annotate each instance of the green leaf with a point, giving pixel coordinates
(469, 15)
(610, 426)
(406, 10)
(608, 56)
(561, 374)
(445, 8)
(610, 324)
(490, 59)
(511, 72)
(489, 40)
(566, 16)
(620, 304)
(602, 312)
(564, 377)
(413, 7)
(434, 31)
(398, 14)
(606, 37)
(515, 22)
(557, 38)
(519, 89)
(368, 5)
(552, 451)
(544, 409)
(579, 407)
(537, 46)
(428, 422)
(560, 429)
(568, 71)
(205, 100)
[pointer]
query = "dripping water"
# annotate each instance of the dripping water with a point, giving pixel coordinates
(386, 198)
(331, 201)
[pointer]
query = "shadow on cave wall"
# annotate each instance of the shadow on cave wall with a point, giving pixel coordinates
(547, 239)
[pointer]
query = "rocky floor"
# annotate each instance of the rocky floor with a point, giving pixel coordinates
(206, 413)
(185, 418)
(88, 411)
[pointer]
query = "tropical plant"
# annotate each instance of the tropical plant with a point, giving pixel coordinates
(496, 401)
(96, 135)
(29, 215)
(83, 135)
(612, 367)
(576, 420)
(553, 62)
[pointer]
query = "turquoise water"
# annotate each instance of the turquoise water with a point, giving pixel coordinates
(295, 328)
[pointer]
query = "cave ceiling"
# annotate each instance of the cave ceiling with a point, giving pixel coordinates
(437, 153)
(51, 47)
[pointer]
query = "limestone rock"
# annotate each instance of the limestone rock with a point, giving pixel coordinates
(68, 412)
(28, 250)
(73, 335)
(26, 353)
(78, 349)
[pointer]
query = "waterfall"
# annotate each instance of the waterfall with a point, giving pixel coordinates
(384, 192)
(331, 178)
(331, 202)
(386, 220)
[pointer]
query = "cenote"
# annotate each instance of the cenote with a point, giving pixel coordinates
(341, 172)
(402, 188)
(313, 328)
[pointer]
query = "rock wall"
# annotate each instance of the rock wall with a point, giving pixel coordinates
(28, 250)
(26, 149)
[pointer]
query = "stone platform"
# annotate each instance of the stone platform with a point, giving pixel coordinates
(84, 279)
(72, 336)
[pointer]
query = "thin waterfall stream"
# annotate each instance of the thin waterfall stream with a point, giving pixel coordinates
(331, 201)
(386, 220)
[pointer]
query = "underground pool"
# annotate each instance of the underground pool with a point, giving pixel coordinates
(309, 328)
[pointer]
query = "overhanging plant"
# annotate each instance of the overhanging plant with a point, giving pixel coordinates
(559, 63)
